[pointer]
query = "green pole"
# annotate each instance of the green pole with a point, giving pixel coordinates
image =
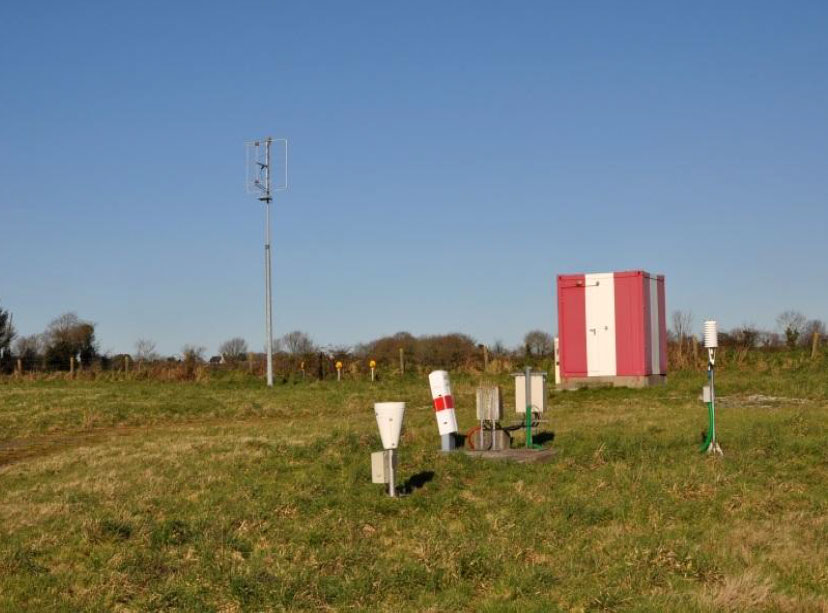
(527, 373)
(711, 415)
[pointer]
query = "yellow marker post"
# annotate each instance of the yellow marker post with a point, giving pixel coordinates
(339, 371)
(373, 365)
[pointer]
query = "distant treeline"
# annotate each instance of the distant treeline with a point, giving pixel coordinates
(68, 344)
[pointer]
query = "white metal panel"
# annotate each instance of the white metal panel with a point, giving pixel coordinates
(380, 465)
(600, 324)
(538, 391)
(706, 395)
(557, 360)
(655, 345)
(379, 474)
(489, 405)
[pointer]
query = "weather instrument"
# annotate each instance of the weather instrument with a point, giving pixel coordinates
(711, 343)
(389, 422)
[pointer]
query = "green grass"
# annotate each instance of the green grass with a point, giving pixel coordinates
(226, 496)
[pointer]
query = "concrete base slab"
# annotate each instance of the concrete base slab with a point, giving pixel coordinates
(573, 383)
(522, 456)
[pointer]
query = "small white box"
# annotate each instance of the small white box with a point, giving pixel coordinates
(706, 395)
(380, 472)
(538, 383)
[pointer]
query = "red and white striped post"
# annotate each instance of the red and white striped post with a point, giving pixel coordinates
(443, 408)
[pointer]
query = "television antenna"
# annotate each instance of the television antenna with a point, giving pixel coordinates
(261, 165)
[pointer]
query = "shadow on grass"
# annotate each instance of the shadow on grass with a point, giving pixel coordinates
(417, 481)
(541, 438)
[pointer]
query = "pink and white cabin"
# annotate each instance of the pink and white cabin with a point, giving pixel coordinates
(612, 329)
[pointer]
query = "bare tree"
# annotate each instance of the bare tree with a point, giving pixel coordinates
(29, 347)
(682, 324)
(297, 343)
(362, 350)
(814, 326)
(233, 349)
(746, 335)
(7, 332)
(791, 323)
(538, 343)
(682, 327)
(193, 353)
(769, 339)
(145, 350)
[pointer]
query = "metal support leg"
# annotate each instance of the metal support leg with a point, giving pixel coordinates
(391, 476)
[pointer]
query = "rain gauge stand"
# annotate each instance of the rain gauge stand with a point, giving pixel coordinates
(384, 463)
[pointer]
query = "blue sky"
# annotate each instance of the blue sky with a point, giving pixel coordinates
(447, 160)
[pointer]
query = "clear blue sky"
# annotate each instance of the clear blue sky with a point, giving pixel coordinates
(447, 160)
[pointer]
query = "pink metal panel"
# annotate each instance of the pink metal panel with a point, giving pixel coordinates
(630, 323)
(648, 336)
(662, 324)
(572, 325)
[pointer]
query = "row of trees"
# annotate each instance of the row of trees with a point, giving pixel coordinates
(68, 336)
(452, 349)
(793, 330)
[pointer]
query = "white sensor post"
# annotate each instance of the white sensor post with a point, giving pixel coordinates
(711, 343)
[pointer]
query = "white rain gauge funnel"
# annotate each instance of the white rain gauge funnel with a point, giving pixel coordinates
(389, 421)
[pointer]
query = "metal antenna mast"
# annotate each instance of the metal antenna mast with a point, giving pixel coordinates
(260, 166)
(267, 198)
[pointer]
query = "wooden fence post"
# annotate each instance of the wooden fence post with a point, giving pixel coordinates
(814, 345)
(485, 359)
(19, 367)
(72, 366)
(402, 361)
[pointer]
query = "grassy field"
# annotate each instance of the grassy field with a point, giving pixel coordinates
(226, 496)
